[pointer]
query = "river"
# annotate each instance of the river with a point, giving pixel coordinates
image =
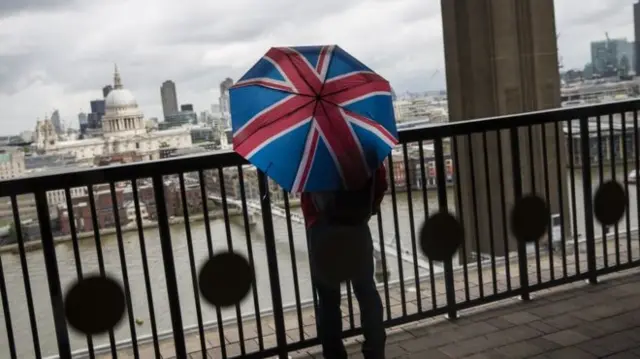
(67, 268)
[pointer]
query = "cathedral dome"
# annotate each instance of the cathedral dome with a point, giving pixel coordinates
(122, 115)
(119, 97)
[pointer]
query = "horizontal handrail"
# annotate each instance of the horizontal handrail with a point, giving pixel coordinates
(196, 162)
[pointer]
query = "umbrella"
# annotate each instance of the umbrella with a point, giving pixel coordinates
(313, 118)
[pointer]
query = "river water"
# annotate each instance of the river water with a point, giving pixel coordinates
(67, 268)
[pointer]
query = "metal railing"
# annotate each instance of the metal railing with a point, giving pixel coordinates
(151, 224)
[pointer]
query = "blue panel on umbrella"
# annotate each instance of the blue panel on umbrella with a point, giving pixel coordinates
(263, 68)
(376, 149)
(343, 63)
(248, 101)
(320, 179)
(378, 110)
(311, 53)
(292, 144)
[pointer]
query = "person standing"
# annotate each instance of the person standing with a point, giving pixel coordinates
(327, 216)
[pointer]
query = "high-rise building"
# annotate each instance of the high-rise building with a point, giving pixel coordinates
(106, 90)
(636, 25)
(94, 120)
(609, 55)
(225, 105)
(186, 107)
(97, 106)
(169, 98)
(82, 118)
(55, 120)
(83, 122)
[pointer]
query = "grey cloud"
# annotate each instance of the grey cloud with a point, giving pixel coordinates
(11, 7)
(601, 12)
(210, 28)
(16, 73)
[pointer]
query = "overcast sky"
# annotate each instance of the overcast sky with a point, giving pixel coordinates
(59, 53)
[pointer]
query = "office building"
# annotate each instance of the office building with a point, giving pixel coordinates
(169, 99)
(106, 90)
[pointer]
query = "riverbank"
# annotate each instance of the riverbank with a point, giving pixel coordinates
(37, 244)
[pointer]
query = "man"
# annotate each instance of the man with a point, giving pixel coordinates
(329, 320)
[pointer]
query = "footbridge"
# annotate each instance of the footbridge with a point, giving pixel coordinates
(389, 244)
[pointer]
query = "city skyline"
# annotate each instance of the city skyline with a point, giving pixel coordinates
(34, 80)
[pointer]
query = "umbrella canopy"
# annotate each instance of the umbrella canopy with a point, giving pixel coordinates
(313, 118)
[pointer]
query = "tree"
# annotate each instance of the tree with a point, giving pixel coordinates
(13, 236)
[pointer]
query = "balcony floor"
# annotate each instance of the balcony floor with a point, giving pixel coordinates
(578, 320)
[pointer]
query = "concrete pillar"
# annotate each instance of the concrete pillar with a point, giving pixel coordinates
(501, 58)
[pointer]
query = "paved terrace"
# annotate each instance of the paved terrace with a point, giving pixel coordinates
(576, 320)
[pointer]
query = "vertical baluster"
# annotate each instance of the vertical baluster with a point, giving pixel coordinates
(588, 201)
(227, 227)
(247, 233)
(392, 186)
(442, 203)
(476, 225)
(636, 155)
(494, 274)
(25, 276)
(547, 197)
(7, 312)
(503, 212)
(534, 190)
(460, 215)
(561, 173)
(294, 266)
(145, 267)
(169, 267)
(192, 264)
(574, 204)
(96, 235)
(425, 203)
(625, 168)
(207, 228)
(383, 259)
(76, 253)
(272, 258)
(613, 157)
(123, 265)
(517, 190)
(53, 275)
(601, 157)
(414, 248)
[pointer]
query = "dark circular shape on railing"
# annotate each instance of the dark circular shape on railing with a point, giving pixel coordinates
(94, 305)
(609, 203)
(225, 279)
(340, 253)
(530, 218)
(441, 236)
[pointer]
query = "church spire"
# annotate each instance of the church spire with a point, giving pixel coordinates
(117, 82)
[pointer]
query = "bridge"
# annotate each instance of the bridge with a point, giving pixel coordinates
(390, 247)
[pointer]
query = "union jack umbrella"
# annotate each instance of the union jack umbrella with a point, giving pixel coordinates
(313, 118)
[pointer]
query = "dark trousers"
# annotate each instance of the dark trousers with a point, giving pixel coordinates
(329, 320)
